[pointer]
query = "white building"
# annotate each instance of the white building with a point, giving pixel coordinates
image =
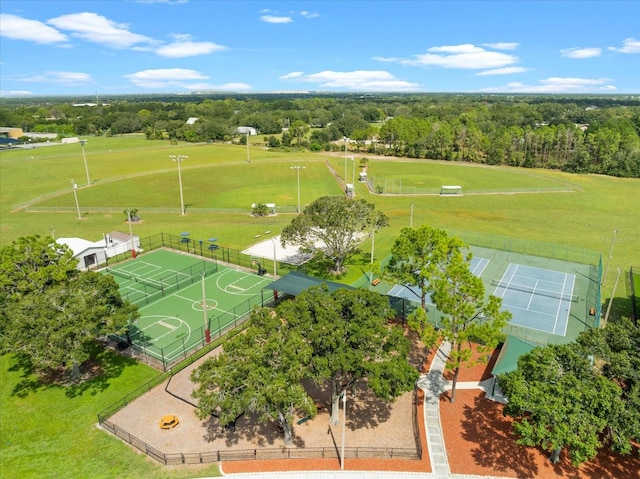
(94, 254)
(243, 130)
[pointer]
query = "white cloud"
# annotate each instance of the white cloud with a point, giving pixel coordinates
(630, 45)
(580, 53)
(292, 75)
(556, 85)
(187, 48)
(14, 93)
(502, 71)
(224, 87)
(98, 29)
(165, 77)
(502, 45)
(465, 56)
(306, 14)
(274, 19)
(360, 80)
(181, 78)
(18, 28)
(69, 78)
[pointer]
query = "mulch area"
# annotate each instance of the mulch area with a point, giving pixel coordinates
(479, 441)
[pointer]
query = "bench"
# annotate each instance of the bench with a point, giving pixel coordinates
(303, 420)
(376, 282)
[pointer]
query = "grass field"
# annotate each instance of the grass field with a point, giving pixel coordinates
(138, 173)
(50, 431)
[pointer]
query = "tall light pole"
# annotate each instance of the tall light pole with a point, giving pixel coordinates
(178, 159)
(75, 195)
(354, 171)
(373, 242)
(84, 157)
(411, 217)
(606, 269)
(248, 159)
(345, 159)
(275, 258)
(344, 425)
(207, 332)
(298, 168)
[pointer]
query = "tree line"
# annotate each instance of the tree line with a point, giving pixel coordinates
(579, 134)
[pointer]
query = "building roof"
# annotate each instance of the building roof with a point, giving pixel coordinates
(511, 351)
(295, 283)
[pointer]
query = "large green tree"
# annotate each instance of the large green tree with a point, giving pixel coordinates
(433, 262)
(333, 226)
(561, 401)
(52, 313)
(258, 372)
(417, 255)
(468, 316)
(352, 342)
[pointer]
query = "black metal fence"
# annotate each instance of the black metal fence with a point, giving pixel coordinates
(181, 348)
(179, 458)
(204, 249)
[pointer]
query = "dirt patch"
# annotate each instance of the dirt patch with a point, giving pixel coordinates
(479, 441)
(371, 423)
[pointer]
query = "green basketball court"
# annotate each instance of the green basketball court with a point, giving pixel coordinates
(180, 297)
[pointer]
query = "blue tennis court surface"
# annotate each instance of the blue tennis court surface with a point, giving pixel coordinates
(537, 298)
(477, 266)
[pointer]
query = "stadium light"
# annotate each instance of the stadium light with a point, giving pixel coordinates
(248, 159)
(178, 159)
(84, 157)
(354, 171)
(275, 258)
(344, 425)
(75, 195)
(207, 332)
(606, 269)
(298, 168)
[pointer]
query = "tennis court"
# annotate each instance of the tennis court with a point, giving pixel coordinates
(174, 316)
(539, 298)
(476, 266)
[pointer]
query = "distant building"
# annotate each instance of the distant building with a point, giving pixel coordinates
(191, 121)
(243, 130)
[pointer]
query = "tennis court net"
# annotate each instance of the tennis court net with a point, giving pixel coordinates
(116, 272)
(537, 291)
(147, 282)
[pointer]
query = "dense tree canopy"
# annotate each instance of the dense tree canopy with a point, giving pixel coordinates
(594, 134)
(333, 226)
(51, 312)
(431, 262)
(352, 342)
(341, 337)
(259, 372)
(579, 396)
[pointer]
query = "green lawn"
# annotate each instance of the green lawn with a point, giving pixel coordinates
(50, 431)
(53, 434)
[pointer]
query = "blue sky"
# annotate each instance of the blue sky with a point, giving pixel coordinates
(182, 46)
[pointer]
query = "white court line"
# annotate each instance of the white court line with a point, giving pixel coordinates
(162, 323)
(532, 294)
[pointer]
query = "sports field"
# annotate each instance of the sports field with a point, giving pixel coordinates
(551, 301)
(180, 297)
